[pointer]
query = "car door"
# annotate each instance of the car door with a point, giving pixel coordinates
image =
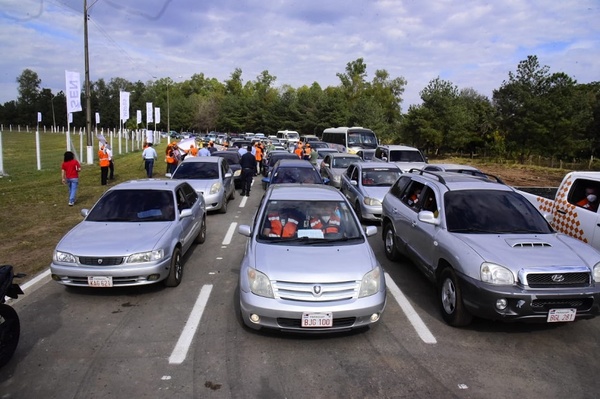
(421, 238)
(396, 209)
(187, 198)
(227, 179)
(346, 183)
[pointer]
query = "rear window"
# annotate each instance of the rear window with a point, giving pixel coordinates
(406, 156)
(197, 170)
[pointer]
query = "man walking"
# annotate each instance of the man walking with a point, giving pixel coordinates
(248, 164)
(149, 156)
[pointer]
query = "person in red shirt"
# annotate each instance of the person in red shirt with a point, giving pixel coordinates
(70, 175)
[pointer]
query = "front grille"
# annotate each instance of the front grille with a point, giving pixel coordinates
(544, 305)
(296, 323)
(316, 292)
(558, 280)
(90, 261)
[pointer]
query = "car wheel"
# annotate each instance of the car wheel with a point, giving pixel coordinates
(10, 330)
(176, 270)
(224, 206)
(358, 211)
(389, 243)
(201, 237)
(451, 301)
(232, 196)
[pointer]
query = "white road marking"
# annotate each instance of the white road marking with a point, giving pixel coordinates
(187, 335)
(243, 202)
(229, 235)
(410, 312)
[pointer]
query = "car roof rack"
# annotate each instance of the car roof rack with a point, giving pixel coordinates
(473, 173)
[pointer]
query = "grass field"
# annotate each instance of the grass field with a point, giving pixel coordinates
(34, 211)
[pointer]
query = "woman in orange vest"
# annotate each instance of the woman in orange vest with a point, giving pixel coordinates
(104, 161)
(258, 157)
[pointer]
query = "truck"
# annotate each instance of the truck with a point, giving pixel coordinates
(574, 208)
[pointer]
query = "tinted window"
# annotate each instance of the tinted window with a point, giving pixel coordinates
(406, 156)
(379, 177)
(296, 175)
(134, 206)
(197, 170)
(398, 188)
(342, 163)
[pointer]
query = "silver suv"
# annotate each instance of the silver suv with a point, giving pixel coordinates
(490, 253)
(405, 157)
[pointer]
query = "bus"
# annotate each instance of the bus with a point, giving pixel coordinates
(350, 139)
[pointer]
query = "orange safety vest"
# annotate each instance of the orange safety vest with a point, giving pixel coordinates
(298, 151)
(171, 157)
(103, 158)
(280, 230)
(193, 151)
(258, 155)
(333, 226)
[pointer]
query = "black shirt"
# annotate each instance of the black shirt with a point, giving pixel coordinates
(248, 161)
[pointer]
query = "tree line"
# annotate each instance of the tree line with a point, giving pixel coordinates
(533, 112)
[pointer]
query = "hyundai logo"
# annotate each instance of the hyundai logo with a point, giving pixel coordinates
(558, 278)
(317, 290)
(100, 261)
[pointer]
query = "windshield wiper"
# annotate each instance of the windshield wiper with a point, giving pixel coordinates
(473, 230)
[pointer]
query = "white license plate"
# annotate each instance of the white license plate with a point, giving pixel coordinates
(317, 320)
(561, 315)
(100, 281)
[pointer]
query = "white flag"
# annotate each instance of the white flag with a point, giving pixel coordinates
(124, 100)
(39, 117)
(73, 91)
(97, 118)
(70, 117)
(156, 115)
(138, 115)
(149, 113)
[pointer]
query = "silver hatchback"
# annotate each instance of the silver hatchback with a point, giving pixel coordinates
(308, 266)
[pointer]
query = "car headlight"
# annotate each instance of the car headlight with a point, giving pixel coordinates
(215, 188)
(237, 173)
(496, 274)
(148, 256)
(259, 283)
(597, 273)
(370, 283)
(64, 257)
(371, 201)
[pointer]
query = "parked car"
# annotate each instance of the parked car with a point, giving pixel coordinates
(406, 157)
(211, 177)
(488, 250)
(365, 184)
(137, 233)
(233, 159)
(296, 170)
(334, 164)
(282, 288)
(271, 159)
(321, 154)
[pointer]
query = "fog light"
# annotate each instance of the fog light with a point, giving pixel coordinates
(375, 317)
(55, 277)
(153, 277)
(501, 304)
(254, 318)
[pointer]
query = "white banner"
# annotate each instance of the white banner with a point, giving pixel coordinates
(73, 91)
(149, 113)
(124, 101)
(138, 115)
(156, 115)
(149, 136)
(39, 117)
(70, 117)
(97, 118)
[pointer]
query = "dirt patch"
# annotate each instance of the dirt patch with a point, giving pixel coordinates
(523, 176)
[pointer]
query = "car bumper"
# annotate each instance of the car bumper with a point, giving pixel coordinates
(530, 305)
(371, 212)
(123, 276)
(214, 202)
(287, 315)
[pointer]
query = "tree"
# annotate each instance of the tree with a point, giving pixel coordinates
(29, 92)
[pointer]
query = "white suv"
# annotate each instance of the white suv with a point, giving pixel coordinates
(405, 157)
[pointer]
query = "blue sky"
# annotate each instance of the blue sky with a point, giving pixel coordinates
(471, 43)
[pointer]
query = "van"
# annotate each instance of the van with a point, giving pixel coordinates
(288, 137)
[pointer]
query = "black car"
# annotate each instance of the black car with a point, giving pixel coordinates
(233, 158)
(271, 159)
(297, 170)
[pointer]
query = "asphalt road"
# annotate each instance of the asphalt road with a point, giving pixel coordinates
(188, 342)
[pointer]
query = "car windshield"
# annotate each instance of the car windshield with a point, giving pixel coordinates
(341, 162)
(492, 211)
(231, 157)
(308, 223)
(406, 156)
(197, 170)
(365, 139)
(134, 206)
(296, 175)
(379, 177)
(367, 155)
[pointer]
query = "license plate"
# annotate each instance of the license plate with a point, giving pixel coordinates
(317, 320)
(100, 281)
(561, 315)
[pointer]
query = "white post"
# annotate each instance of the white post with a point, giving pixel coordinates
(37, 148)
(2, 174)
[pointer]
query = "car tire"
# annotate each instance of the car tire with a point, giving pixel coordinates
(451, 300)
(223, 208)
(10, 329)
(389, 243)
(201, 237)
(176, 269)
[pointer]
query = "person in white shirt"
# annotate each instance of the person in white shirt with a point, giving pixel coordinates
(149, 156)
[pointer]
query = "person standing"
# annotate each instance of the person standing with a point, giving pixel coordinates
(111, 165)
(204, 152)
(70, 175)
(248, 164)
(258, 155)
(211, 147)
(149, 156)
(104, 164)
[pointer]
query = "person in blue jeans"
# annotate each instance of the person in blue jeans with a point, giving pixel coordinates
(70, 175)
(149, 156)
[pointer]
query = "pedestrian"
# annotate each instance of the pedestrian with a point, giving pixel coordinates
(258, 155)
(211, 147)
(193, 151)
(204, 152)
(149, 155)
(70, 175)
(171, 159)
(299, 150)
(111, 165)
(248, 165)
(104, 164)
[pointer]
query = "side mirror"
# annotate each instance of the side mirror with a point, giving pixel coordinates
(185, 213)
(168, 175)
(370, 230)
(354, 182)
(245, 230)
(429, 218)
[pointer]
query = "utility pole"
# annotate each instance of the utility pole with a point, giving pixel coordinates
(88, 101)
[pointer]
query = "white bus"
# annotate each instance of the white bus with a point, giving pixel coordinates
(350, 139)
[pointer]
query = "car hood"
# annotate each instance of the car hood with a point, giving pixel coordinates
(310, 263)
(112, 239)
(376, 192)
(518, 251)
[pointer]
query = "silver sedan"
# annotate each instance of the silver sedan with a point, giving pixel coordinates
(136, 234)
